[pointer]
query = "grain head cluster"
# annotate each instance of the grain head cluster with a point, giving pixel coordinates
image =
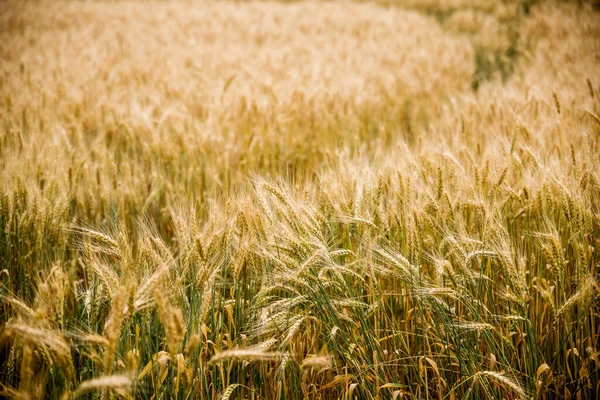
(300, 200)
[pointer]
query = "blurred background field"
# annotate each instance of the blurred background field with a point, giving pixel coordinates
(284, 200)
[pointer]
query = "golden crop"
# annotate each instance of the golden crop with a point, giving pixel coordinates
(320, 200)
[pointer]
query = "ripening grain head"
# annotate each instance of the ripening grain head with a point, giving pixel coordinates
(284, 200)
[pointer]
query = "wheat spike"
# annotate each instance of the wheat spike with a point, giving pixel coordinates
(503, 380)
(229, 391)
(244, 354)
(112, 381)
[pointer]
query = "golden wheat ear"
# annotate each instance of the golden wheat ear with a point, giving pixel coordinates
(105, 382)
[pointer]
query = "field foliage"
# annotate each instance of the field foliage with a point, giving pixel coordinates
(319, 200)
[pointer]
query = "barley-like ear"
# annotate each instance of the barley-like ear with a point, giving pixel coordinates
(275, 192)
(22, 309)
(338, 271)
(229, 391)
(93, 339)
(193, 343)
(131, 294)
(317, 363)
(112, 330)
(102, 242)
(474, 327)
(588, 290)
(334, 332)
(105, 382)
(439, 292)
(143, 295)
(500, 179)
(504, 381)
(266, 345)
(209, 294)
(172, 321)
(293, 330)
(244, 354)
(285, 359)
(310, 261)
(133, 361)
(27, 368)
(52, 345)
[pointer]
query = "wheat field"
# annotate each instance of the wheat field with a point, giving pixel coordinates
(300, 200)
